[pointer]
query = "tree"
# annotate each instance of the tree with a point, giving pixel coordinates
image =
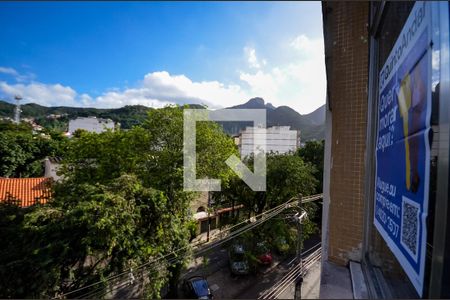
(121, 203)
(286, 177)
(165, 164)
(6, 125)
(313, 153)
(22, 154)
(87, 232)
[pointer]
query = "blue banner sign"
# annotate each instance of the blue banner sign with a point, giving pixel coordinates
(403, 146)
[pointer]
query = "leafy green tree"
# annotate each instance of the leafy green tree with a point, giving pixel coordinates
(87, 232)
(99, 158)
(165, 163)
(22, 153)
(10, 126)
(286, 177)
(313, 153)
(120, 204)
(12, 156)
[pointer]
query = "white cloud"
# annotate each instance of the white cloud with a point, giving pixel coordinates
(300, 83)
(44, 94)
(181, 89)
(303, 43)
(252, 59)
(435, 59)
(157, 89)
(8, 71)
(17, 76)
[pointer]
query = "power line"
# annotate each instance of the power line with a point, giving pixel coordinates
(263, 217)
(292, 275)
(275, 211)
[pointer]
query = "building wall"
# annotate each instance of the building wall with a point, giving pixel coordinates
(90, 124)
(199, 203)
(279, 139)
(346, 52)
(51, 169)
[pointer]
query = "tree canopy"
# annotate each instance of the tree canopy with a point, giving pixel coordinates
(120, 203)
(22, 153)
(313, 153)
(287, 176)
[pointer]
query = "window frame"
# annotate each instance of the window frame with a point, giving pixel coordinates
(376, 283)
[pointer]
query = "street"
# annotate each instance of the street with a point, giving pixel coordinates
(214, 267)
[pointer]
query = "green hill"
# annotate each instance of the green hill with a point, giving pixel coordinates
(128, 116)
(308, 125)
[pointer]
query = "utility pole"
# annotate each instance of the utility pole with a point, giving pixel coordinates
(209, 225)
(209, 216)
(299, 280)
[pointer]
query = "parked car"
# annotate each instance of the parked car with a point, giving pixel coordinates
(238, 260)
(263, 253)
(197, 287)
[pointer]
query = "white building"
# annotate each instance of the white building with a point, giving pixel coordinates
(278, 139)
(91, 124)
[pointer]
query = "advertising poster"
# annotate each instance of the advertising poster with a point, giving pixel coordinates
(403, 145)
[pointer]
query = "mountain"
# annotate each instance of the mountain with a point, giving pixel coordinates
(310, 125)
(127, 116)
(317, 117)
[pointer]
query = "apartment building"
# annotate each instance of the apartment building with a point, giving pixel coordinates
(278, 139)
(91, 124)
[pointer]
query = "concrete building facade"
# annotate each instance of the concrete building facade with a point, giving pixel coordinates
(91, 124)
(278, 139)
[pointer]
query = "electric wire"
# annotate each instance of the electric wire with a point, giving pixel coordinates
(212, 243)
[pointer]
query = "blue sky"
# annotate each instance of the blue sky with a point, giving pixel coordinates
(110, 54)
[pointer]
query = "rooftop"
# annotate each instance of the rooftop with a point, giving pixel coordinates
(26, 191)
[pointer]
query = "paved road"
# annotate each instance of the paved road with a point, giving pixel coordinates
(226, 286)
(266, 282)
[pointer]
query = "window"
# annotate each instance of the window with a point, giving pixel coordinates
(386, 275)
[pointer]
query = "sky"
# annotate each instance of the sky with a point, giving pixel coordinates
(112, 54)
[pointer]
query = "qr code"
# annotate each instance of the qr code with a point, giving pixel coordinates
(410, 226)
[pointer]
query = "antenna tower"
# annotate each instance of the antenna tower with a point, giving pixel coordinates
(17, 110)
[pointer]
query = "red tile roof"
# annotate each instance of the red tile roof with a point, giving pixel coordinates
(25, 190)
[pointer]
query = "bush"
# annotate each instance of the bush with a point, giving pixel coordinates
(192, 227)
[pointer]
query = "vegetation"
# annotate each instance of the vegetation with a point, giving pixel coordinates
(311, 125)
(84, 236)
(120, 204)
(22, 153)
(313, 153)
(128, 116)
(287, 176)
